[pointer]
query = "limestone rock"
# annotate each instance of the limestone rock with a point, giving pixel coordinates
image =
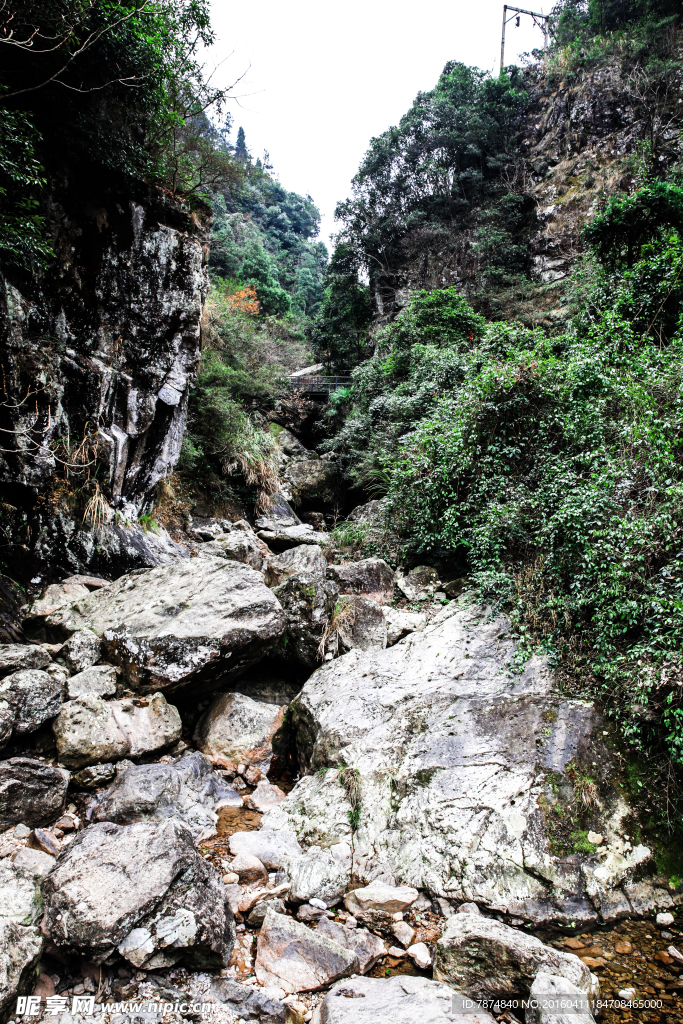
(54, 598)
(239, 543)
(31, 792)
(187, 790)
(367, 946)
(250, 869)
(35, 862)
(142, 889)
(371, 577)
(303, 558)
(249, 1002)
(14, 657)
(369, 629)
(21, 941)
(196, 621)
(439, 721)
(554, 1000)
(96, 681)
(380, 898)
(238, 730)
(257, 915)
(399, 1000)
(95, 776)
(311, 479)
(316, 873)
(81, 650)
(482, 958)
(264, 797)
(91, 730)
(269, 846)
(299, 960)
(281, 528)
(309, 605)
(28, 699)
(420, 955)
(400, 623)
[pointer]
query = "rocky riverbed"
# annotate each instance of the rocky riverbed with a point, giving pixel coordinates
(286, 784)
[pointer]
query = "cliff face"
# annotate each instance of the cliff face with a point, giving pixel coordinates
(97, 360)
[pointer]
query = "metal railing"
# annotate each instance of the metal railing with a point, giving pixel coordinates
(317, 384)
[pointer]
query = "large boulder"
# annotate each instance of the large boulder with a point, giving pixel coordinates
(268, 846)
(54, 598)
(309, 602)
(312, 480)
(197, 621)
(21, 941)
(483, 958)
(461, 764)
(143, 890)
(92, 731)
(369, 576)
(238, 730)
(303, 558)
(369, 628)
(82, 649)
(239, 543)
(187, 790)
(31, 792)
(28, 699)
(555, 1000)
(280, 527)
(14, 657)
(297, 959)
(96, 681)
(367, 946)
(399, 1000)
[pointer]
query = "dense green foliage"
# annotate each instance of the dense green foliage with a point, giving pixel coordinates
(339, 332)
(22, 241)
(577, 19)
(551, 468)
(265, 236)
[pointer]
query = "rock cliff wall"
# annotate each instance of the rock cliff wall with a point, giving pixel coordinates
(97, 357)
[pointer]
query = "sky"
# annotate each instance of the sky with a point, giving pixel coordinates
(319, 80)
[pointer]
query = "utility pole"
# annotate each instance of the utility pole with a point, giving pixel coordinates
(539, 19)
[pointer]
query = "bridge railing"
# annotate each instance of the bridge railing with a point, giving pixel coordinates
(317, 384)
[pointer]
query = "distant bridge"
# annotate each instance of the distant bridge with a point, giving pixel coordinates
(310, 381)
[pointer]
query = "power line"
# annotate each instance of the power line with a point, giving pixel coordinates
(541, 20)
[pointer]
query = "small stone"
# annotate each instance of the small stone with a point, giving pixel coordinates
(404, 933)
(99, 680)
(627, 994)
(37, 862)
(22, 831)
(249, 869)
(574, 944)
(595, 838)
(623, 947)
(253, 775)
(231, 878)
(674, 954)
(264, 797)
(420, 955)
(257, 915)
(66, 823)
(468, 908)
(320, 904)
(95, 776)
(397, 952)
(664, 920)
(41, 839)
(307, 913)
(82, 650)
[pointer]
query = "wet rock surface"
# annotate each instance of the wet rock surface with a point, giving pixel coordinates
(187, 790)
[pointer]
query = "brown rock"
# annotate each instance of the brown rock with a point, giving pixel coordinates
(250, 869)
(574, 944)
(623, 947)
(664, 957)
(41, 839)
(264, 797)
(593, 961)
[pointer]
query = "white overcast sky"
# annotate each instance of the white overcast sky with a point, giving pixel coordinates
(323, 78)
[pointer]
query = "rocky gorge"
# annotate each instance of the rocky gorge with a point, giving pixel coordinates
(190, 805)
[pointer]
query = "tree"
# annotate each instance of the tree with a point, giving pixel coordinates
(339, 332)
(241, 151)
(256, 270)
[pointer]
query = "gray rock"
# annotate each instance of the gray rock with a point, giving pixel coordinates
(270, 847)
(96, 681)
(318, 873)
(264, 797)
(369, 630)
(371, 577)
(238, 730)
(257, 915)
(312, 479)
(92, 731)
(483, 958)
(54, 598)
(303, 558)
(21, 941)
(250, 869)
(309, 604)
(283, 537)
(95, 776)
(14, 657)
(82, 649)
(554, 1000)
(239, 543)
(376, 903)
(187, 790)
(28, 699)
(367, 946)
(400, 623)
(35, 862)
(31, 792)
(297, 959)
(142, 889)
(440, 721)
(398, 1000)
(249, 1002)
(195, 621)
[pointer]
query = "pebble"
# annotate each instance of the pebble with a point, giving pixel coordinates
(664, 920)
(22, 831)
(320, 904)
